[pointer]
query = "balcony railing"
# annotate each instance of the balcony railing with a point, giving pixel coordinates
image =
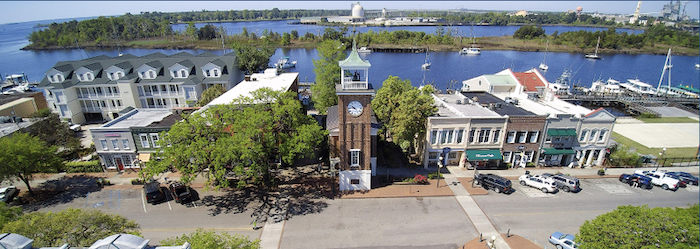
(95, 95)
(161, 93)
(348, 83)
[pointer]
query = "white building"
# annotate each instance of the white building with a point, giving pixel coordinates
(98, 88)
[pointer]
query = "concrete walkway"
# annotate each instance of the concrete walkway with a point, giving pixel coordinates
(478, 218)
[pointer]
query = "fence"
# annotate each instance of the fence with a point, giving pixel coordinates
(649, 162)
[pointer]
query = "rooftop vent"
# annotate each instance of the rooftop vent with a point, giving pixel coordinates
(459, 102)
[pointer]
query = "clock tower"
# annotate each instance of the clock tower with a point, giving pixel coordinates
(352, 126)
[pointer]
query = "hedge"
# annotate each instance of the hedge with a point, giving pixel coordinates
(83, 167)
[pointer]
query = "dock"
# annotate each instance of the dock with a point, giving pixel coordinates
(633, 104)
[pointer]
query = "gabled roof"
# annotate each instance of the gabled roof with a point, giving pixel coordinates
(529, 80)
(64, 68)
(219, 63)
(94, 66)
(186, 63)
(124, 65)
(99, 58)
(127, 56)
(206, 54)
(156, 55)
(155, 64)
(182, 54)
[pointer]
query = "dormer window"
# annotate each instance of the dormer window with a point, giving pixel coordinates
(215, 72)
(89, 77)
(80, 77)
(183, 73)
(111, 76)
(152, 74)
(58, 78)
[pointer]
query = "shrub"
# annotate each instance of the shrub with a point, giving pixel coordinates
(83, 167)
(435, 175)
(420, 179)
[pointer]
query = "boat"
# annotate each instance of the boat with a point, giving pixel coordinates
(697, 66)
(427, 63)
(637, 86)
(561, 85)
(473, 49)
(595, 55)
(676, 92)
(544, 66)
(689, 89)
(608, 86)
(364, 50)
(284, 62)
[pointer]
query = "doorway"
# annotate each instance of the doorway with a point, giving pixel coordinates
(118, 162)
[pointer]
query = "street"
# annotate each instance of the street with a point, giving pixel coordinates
(415, 222)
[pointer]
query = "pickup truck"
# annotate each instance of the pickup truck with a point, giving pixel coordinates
(660, 178)
(642, 180)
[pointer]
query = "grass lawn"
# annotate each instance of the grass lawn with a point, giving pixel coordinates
(668, 120)
(670, 152)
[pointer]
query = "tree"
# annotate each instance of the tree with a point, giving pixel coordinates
(210, 94)
(403, 109)
(327, 72)
(24, 155)
(286, 39)
(209, 239)
(191, 30)
(208, 32)
(642, 227)
(75, 227)
(242, 138)
(53, 131)
(251, 59)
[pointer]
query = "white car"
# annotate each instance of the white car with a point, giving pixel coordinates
(561, 240)
(545, 184)
(7, 194)
(660, 178)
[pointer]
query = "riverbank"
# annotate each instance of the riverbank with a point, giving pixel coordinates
(486, 43)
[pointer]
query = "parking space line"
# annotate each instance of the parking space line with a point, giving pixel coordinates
(171, 207)
(143, 200)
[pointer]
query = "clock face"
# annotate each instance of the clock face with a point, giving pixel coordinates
(355, 108)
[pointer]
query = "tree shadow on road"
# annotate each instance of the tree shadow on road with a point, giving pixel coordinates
(59, 191)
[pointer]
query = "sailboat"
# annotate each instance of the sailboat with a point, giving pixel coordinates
(473, 50)
(427, 63)
(595, 56)
(544, 66)
(667, 66)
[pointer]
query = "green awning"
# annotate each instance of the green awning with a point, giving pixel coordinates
(478, 155)
(561, 132)
(555, 151)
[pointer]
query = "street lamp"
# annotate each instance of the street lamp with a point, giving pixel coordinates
(662, 157)
(440, 164)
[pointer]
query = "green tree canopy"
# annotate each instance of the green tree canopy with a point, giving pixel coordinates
(53, 131)
(642, 227)
(23, 155)
(251, 59)
(209, 239)
(403, 109)
(243, 138)
(210, 94)
(75, 227)
(327, 72)
(8, 214)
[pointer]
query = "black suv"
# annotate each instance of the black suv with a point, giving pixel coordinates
(495, 182)
(565, 182)
(180, 192)
(154, 194)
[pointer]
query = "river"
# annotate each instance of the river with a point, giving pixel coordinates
(448, 68)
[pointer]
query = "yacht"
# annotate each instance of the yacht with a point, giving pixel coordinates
(561, 85)
(470, 51)
(284, 62)
(609, 86)
(637, 86)
(364, 50)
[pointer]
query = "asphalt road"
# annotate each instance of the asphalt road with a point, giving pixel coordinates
(534, 215)
(429, 222)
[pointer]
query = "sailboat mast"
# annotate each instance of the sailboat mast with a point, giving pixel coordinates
(663, 70)
(596, 46)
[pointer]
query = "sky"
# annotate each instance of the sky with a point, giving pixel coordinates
(24, 11)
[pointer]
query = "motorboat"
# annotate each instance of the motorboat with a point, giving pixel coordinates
(470, 51)
(364, 50)
(284, 62)
(697, 66)
(561, 86)
(609, 86)
(676, 92)
(544, 66)
(595, 55)
(637, 86)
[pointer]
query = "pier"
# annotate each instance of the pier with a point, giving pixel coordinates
(398, 49)
(632, 104)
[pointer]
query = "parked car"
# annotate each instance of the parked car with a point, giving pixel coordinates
(154, 194)
(563, 241)
(642, 180)
(495, 182)
(180, 192)
(7, 194)
(565, 182)
(545, 184)
(660, 178)
(686, 177)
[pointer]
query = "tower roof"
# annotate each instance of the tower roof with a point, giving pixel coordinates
(354, 60)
